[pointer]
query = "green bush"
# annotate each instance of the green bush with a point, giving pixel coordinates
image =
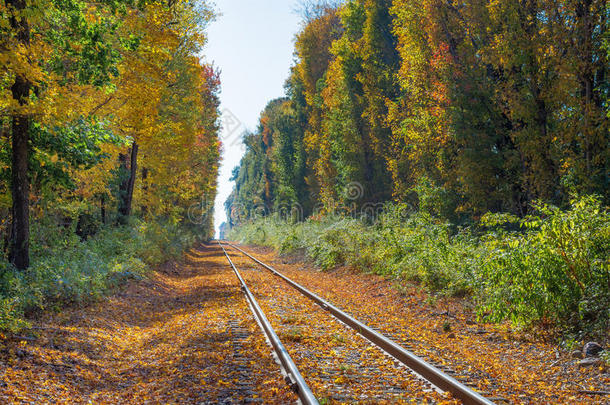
(415, 246)
(556, 272)
(66, 270)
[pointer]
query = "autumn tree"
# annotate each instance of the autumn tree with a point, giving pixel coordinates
(446, 123)
(488, 102)
(48, 48)
(20, 188)
(166, 107)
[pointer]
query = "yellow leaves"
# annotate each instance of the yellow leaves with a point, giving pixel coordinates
(19, 60)
(340, 380)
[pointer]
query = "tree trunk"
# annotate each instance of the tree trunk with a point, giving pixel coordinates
(103, 208)
(128, 183)
(123, 187)
(20, 186)
(587, 77)
(132, 176)
(145, 190)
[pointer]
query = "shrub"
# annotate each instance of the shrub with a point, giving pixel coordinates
(400, 244)
(66, 270)
(556, 272)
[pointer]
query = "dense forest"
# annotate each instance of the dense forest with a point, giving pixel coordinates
(499, 103)
(109, 128)
(478, 130)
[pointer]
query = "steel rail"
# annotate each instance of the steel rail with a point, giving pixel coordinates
(426, 370)
(294, 377)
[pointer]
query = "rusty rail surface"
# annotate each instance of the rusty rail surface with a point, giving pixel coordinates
(294, 377)
(415, 363)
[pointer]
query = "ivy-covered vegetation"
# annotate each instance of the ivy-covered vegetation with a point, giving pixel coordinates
(501, 104)
(550, 269)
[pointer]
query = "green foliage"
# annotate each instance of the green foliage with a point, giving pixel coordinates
(11, 317)
(401, 244)
(434, 200)
(73, 146)
(555, 272)
(83, 47)
(56, 151)
(605, 356)
(272, 172)
(68, 271)
(552, 271)
(160, 241)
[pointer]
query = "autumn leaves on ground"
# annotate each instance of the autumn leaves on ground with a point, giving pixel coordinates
(186, 335)
(167, 339)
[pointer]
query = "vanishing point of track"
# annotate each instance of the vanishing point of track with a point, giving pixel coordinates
(365, 366)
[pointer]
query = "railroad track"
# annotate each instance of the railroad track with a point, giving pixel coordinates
(359, 365)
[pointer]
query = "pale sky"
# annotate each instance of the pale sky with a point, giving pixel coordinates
(252, 44)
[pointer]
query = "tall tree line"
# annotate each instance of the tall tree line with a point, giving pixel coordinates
(106, 111)
(500, 104)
